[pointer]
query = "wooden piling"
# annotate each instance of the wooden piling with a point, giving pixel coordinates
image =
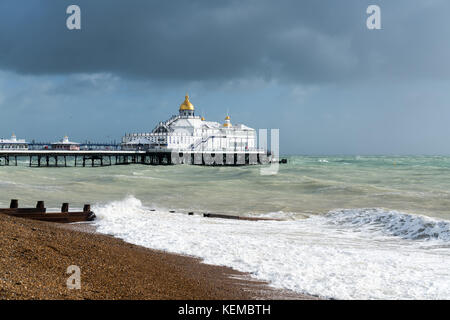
(40, 205)
(65, 207)
(14, 204)
(87, 208)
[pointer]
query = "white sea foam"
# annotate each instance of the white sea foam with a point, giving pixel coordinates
(346, 254)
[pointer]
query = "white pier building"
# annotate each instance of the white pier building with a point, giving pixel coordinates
(187, 132)
(65, 144)
(13, 143)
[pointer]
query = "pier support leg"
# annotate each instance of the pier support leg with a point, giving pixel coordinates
(240, 159)
(253, 159)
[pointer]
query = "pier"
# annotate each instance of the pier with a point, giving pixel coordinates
(102, 158)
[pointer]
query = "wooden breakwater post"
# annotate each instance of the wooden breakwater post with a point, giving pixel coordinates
(14, 204)
(65, 207)
(40, 205)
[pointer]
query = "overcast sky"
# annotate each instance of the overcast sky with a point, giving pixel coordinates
(310, 68)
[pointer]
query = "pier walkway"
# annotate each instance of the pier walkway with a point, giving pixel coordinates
(93, 158)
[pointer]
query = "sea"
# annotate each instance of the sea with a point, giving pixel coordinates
(354, 227)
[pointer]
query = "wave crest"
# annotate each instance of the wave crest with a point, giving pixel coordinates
(391, 222)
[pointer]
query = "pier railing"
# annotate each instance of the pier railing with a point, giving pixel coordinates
(87, 145)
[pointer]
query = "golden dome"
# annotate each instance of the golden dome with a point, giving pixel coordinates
(187, 105)
(203, 119)
(227, 122)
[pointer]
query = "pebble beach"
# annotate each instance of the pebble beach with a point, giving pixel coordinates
(34, 257)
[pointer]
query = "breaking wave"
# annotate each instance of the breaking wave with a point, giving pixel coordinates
(345, 254)
(390, 222)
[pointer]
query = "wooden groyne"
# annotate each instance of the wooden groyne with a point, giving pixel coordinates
(225, 216)
(65, 216)
(40, 213)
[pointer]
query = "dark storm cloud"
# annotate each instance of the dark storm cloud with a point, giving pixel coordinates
(306, 41)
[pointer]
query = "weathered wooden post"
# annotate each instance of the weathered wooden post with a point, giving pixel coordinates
(40, 205)
(14, 204)
(87, 208)
(65, 207)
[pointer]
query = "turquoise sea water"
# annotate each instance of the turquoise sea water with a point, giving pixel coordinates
(355, 227)
(311, 185)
